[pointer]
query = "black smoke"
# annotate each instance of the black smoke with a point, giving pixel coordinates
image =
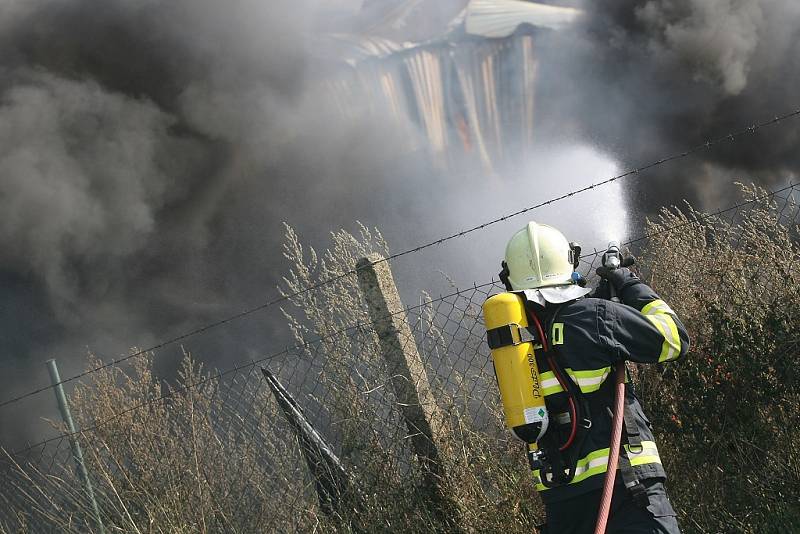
(648, 78)
(149, 151)
(148, 154)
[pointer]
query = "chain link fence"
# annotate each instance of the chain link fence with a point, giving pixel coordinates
(317, 437)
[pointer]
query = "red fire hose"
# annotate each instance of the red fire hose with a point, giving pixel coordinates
(613, 454)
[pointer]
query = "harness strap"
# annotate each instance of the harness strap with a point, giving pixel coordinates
(509, 334)
(634, 436)
(632, 427)
(562, 459)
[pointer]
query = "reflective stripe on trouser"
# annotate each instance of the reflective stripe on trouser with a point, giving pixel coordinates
(596, 462)
(660, 314)
(588, 380)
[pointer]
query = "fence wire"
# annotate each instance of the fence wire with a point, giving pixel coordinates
(221, 455)
(633, 172)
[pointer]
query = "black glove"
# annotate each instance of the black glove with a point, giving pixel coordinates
(619, 279)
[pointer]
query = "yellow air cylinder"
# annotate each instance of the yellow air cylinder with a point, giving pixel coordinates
(515, 367)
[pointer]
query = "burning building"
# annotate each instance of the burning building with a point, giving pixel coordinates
(464, 78)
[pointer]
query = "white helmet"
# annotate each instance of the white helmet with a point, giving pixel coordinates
(539, 256)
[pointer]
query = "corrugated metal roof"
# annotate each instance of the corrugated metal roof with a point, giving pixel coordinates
(469, 91)
(399, 25)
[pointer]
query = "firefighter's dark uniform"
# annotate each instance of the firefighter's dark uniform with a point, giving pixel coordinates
(590, 335)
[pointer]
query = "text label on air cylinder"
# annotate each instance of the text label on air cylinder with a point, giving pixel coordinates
(534, 375)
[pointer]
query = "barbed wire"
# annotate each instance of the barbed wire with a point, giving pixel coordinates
(698, 218)
(252, 363)
(704, 146)
(174, 340)
(344, 330)
(241, 443)
(730, 137)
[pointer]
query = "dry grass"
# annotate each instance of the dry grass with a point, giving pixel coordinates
(484, 471)
(175, 465)
(220, 457)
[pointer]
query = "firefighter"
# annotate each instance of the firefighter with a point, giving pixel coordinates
(588, 335)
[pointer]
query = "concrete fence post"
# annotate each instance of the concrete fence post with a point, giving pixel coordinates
(424, 421)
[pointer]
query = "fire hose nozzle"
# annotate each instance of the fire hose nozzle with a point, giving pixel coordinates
(611, 258)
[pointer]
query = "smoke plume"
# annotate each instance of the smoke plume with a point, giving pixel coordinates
(150, 149)
(148, 152)
(644, 79)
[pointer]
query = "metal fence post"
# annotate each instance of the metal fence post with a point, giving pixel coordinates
(424, 421)
(77, 454)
